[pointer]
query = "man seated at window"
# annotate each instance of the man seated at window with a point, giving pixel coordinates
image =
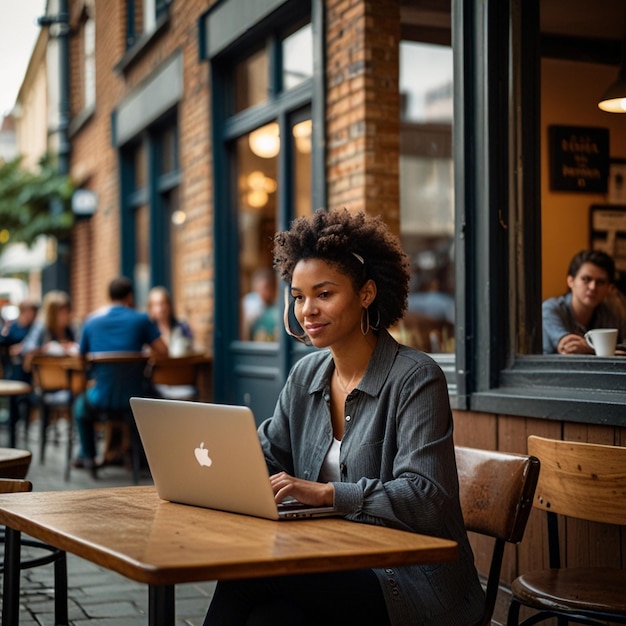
(589, 303)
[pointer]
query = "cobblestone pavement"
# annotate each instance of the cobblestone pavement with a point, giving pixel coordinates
(97, 596)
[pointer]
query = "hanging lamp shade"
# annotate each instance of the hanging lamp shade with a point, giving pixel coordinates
(614, 98)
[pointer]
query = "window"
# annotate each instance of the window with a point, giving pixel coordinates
(297, 54)
(501, 212)
(427, 194)
(143, 17)
(89, 64)
(266, 151)
(153, 218)
(251, 81)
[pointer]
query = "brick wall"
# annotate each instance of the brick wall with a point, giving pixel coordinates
(363, 106)
(94, 162)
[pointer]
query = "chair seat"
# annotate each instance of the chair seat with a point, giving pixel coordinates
(574, 589)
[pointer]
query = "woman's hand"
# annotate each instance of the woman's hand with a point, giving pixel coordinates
(305, 491)
(573, 344)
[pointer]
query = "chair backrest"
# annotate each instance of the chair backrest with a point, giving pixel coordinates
(581, 480)
(55, 373)
(15, 485)
(175, 371)
(496, 491)
(126, 373)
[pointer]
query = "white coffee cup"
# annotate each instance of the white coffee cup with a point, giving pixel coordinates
(602, 340)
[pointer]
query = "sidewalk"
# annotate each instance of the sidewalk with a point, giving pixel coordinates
(97, 597)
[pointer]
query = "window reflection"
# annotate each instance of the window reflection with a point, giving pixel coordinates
(257, 209)
(427, 195)
(302, 168)
(251, 81)
(297, 50)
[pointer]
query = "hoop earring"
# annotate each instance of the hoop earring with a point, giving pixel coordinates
(365, 328)
(375, 326)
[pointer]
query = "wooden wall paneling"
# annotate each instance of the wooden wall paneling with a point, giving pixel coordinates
(475, 430)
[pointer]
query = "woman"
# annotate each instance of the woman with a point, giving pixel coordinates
(175, 333)
(53, 334)
(364, 425)
(591, 302)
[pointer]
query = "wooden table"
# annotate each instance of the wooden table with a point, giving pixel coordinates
(14, 463)
(131, 531)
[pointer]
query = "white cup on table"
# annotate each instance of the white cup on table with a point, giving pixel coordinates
(602, 340)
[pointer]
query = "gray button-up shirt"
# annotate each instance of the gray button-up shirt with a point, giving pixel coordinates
(397, 468)
(558, 320)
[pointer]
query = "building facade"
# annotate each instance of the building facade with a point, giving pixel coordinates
(203, 127)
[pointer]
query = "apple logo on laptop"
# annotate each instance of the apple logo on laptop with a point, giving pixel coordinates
(202, 456)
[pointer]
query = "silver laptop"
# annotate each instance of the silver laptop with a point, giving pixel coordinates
(209, 455)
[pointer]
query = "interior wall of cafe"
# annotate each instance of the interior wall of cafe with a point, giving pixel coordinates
(569, 97)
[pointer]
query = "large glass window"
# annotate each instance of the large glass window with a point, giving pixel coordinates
(266, 152)
(256, 176)
(153, 250)
(427, 194)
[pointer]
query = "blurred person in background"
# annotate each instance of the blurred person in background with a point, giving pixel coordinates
(12, 335)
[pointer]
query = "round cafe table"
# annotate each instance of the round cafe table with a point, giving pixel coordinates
(10, 388)
(14, 463)
(13, 388)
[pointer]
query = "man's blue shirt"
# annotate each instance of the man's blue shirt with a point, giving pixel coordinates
(120, 329)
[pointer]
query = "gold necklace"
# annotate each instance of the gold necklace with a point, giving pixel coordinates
(344, 387)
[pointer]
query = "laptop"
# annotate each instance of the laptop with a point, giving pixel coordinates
(209, 455)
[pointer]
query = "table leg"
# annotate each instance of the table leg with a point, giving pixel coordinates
(11, 587)
(161, 605)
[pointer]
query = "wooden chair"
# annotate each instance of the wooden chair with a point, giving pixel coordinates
(129, 371)
(496, 491)
(588, 482)
(58, 557)
(179, 375)
(58, 380)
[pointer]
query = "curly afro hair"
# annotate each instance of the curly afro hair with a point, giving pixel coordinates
(360, 246)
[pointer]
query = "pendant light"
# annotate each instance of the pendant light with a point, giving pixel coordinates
(614, 98)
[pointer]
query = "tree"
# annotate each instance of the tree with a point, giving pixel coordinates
(33, 204)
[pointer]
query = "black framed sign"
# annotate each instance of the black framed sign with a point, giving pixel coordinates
(579, 158)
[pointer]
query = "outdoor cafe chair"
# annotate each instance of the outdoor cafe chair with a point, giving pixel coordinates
(581, 481)
(128, 372)
(176, 378)
(17, 484)
(57, 380)
(496, 492)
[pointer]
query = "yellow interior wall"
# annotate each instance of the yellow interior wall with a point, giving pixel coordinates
(569, 95)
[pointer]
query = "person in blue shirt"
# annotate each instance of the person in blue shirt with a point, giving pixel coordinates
(118, 328)
(589, 303)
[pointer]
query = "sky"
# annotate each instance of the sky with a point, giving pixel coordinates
(18, 34)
